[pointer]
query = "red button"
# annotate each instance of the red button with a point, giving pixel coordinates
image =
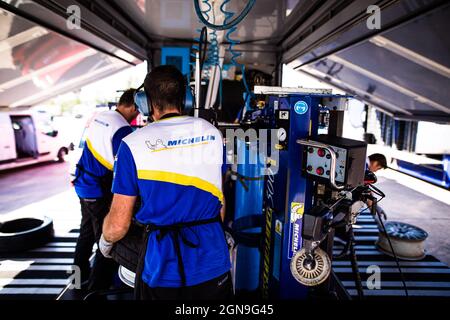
(319, 171)
(321, 152)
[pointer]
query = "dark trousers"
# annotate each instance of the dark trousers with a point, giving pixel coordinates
(220, 288)
(93, 212)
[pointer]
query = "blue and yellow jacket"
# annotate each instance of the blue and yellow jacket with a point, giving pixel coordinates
(103, 138)
(175, 166)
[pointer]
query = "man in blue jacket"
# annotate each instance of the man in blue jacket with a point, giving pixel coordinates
(174, 165)
(93, 186)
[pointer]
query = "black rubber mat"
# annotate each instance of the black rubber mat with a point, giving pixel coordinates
(425, 279)
(40, 273)
(45, 272)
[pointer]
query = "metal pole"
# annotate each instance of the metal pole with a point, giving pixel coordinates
(197, 84)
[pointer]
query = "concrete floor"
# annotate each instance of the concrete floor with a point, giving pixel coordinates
(45, 190)
(23, 186)
(406, 202)
(40, 190)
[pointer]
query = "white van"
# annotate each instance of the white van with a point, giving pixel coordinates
(24, 142)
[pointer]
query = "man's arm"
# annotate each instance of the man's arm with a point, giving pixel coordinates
(118, 220)
(125, 189)
(223, 210)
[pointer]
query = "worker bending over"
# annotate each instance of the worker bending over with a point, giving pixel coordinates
(93, 186)
(376, 162)
(174, 165)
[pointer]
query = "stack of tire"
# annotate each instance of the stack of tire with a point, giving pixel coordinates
(24, 234)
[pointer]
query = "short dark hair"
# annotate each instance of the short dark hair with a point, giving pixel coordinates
(166, 87)
(127, 97)
(380, 158)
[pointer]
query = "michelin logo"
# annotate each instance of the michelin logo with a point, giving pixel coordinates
(297, 210)
(181, 142)
(193, 140)
(102, 122)
(159, 144)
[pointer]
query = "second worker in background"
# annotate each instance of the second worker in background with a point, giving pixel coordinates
(92, 184)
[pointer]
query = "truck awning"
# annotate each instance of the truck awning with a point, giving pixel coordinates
(38, 63)
(402, 68)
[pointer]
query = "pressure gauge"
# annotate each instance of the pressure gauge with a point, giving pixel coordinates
(281, 134)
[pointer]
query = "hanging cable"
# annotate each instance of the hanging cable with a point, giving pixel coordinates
(234, 55)
(203, 43)
(227, 24)
(354, 264)
(383, 227)
(202, 40)
(208, 51)
(201, 49)
(376, 201)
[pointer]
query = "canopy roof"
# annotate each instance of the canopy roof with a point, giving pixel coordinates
(402, 68)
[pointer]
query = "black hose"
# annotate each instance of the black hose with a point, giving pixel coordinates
(354, 263)
(374, 212)
(344, 251)
(394, 254)
(202, 47)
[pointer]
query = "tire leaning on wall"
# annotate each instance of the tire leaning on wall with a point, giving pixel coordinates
(24, 234)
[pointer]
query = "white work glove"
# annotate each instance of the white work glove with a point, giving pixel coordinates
(105, 247)
(230, 240)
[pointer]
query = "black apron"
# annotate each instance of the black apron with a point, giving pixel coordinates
(176, 234)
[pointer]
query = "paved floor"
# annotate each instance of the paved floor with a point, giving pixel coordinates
(40, 190)
(406, 202)
(45, 190)
(23, 186)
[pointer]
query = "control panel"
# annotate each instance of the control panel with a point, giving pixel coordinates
(318, 162)
(336, 160)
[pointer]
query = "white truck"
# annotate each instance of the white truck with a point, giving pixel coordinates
(24, 141)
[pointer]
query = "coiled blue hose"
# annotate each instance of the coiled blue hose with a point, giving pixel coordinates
(213, 50)
(234, 55)
(229, 24)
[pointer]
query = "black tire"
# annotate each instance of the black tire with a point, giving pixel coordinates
(25, 234)
(62, 154)
(126, 251)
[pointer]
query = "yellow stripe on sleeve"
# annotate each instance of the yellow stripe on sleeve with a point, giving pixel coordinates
(98, 157)
(181, 179)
